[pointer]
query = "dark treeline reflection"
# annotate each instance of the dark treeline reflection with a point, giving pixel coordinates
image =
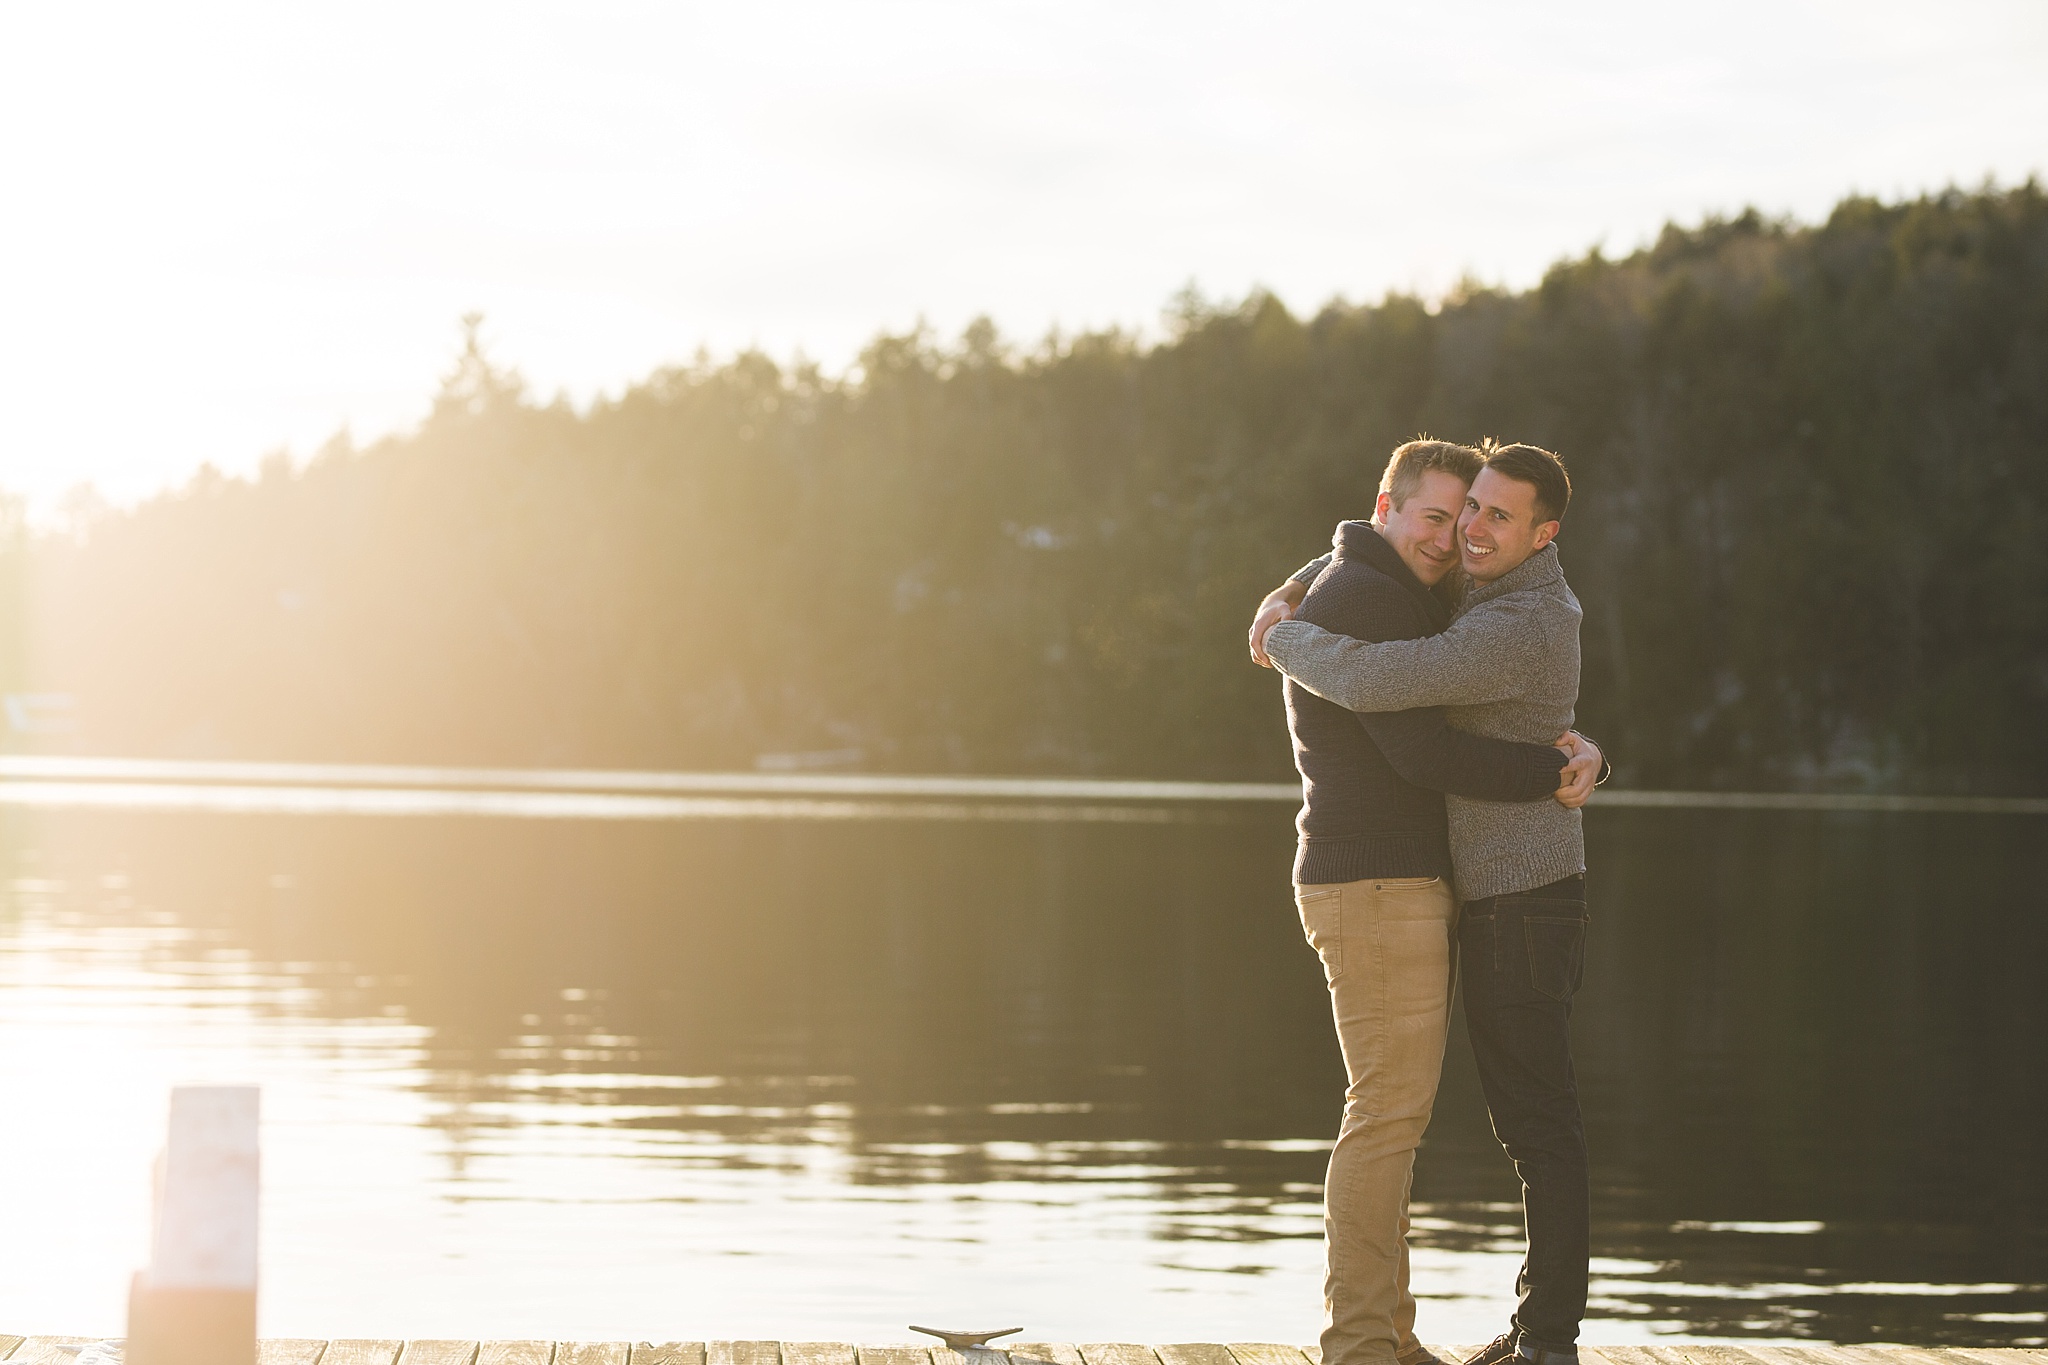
(1810, 534)
(1788, 1020)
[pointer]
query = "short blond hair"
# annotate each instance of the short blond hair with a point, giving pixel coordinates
(1421, 455)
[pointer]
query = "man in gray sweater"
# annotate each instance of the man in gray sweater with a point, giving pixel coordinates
(1506, 668)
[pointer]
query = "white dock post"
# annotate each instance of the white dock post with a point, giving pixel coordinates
(196, 1304)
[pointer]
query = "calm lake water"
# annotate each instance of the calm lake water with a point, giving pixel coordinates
(821, 1079)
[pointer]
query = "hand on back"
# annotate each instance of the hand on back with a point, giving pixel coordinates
(1279, 606)
(1583, 762)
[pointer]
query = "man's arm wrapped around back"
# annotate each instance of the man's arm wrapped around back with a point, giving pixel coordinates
(1309, 572)
(1417, 741)
(1482, 657)
(1430, 752)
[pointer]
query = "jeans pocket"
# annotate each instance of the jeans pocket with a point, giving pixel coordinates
(1556, 945)
(1322, 920)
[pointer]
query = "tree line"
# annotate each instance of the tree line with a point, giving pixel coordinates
(1810, 533)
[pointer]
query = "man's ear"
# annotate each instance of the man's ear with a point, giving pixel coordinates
(1546, 533)
(1382, 507)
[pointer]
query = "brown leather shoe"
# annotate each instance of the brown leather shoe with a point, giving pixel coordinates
(1499, 1351)
(1420, 1355)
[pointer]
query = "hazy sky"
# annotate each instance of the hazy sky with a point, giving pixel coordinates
(231, 227)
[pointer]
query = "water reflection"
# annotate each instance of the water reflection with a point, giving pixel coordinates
(820, 1079)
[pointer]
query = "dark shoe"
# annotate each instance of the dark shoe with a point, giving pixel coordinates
(1499, 1351)
(1421, 1355)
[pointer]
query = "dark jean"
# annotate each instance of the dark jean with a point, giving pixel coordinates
(1521, 957)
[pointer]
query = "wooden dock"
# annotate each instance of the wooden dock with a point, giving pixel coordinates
(16, 1350)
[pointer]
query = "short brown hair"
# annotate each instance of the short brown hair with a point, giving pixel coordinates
(1536, 467)
(1411, 461)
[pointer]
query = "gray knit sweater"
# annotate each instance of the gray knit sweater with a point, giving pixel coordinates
(1508, 668)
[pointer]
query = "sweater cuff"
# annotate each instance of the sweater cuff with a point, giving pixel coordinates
(1277, 636)
(1307, 574)
(1545, 766)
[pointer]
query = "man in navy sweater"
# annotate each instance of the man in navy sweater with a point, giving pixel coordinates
(1372, 877)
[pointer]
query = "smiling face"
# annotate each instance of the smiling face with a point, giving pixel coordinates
(1424, 529)
(1500, 528)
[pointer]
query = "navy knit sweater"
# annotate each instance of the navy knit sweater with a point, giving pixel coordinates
(1372, 782)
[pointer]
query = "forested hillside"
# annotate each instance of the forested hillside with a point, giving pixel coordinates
(1811, 535)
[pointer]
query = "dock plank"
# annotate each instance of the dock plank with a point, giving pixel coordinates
(1688, 1353)
(434, 1351)
(1194, 1353)
(289, 1351)
(1720, 1355)
(740, 1353)
(665, 1353)
(1637, 1355)
(1788, 1355)
(1822, 1353)
(358, 1351)
(973, 1355)
(893, 1355)
(814, 1353)
(512, 1353)
(1825, 1353)
(592, 1352)
(19, 1350)
(1914, 1355)
(48, 1350)
(1266, 1353)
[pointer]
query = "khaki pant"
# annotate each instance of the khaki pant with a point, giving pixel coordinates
(1388, 952)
